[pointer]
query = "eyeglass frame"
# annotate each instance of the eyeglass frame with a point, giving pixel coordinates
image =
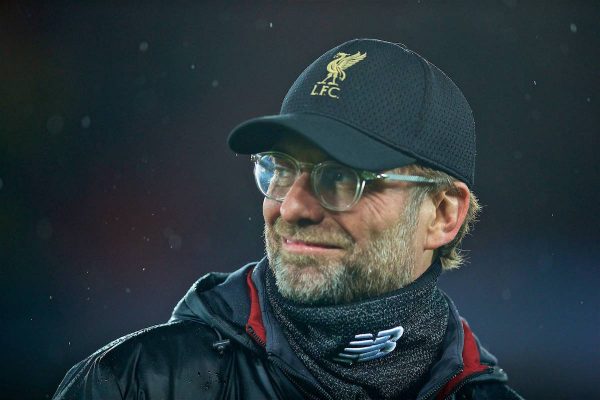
(363, 177)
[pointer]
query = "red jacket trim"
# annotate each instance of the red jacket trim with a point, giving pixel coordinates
(254, 326)
(471, 361)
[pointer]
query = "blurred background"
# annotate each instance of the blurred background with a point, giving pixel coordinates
(117, 190)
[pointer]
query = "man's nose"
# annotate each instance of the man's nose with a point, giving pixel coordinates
(300, 203)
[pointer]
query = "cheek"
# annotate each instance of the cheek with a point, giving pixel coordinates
(362, 223)
(270, 211)
(382, 212)
(376, 212)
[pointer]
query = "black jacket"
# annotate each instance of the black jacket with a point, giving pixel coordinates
(214, 347)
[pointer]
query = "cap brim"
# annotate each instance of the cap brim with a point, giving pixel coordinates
(343, 142)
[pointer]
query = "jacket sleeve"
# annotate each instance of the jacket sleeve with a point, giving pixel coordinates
(90, 379)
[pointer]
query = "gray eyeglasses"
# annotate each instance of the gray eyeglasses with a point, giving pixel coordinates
(336, 186)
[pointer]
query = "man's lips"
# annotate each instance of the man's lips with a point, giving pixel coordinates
(301, 246)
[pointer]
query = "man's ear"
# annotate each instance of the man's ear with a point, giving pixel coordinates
(451, 208)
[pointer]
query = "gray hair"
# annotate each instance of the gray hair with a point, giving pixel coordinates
(450, 254)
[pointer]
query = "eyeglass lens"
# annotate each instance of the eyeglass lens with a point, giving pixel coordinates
(335, 185)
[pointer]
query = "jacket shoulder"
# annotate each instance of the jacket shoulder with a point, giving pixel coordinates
(150, 354)
(160, 341)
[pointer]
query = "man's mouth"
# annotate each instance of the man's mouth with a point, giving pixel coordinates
(302, 246)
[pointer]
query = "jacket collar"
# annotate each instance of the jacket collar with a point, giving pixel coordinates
(236, 305)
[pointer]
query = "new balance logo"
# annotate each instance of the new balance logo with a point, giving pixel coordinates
(365, 347)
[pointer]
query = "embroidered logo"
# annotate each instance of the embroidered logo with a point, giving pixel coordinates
(365, 347)
(336, 70)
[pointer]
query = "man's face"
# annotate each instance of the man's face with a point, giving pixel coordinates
(326, 257)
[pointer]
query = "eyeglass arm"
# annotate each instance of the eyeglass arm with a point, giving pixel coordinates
(396, 177)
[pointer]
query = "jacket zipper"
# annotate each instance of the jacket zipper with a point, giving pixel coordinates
(438, 387)
(457, 387)
(286, 371)
(467, 380)
(255, 336)
(295, 378)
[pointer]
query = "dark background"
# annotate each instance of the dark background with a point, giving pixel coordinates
(117, 190)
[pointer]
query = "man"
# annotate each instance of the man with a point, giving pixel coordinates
(366, 174)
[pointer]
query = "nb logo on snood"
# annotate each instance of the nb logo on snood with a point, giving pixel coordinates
(365, 347)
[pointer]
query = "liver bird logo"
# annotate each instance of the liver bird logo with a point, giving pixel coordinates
(336, 69)
(364, 347)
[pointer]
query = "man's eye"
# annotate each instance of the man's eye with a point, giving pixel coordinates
(343, 180)
(284, 176)
(338, 180)
(283, 172)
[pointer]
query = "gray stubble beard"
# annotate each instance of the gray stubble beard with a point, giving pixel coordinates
(385, 265)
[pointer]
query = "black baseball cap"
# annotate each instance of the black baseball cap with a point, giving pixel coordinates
(373, 105)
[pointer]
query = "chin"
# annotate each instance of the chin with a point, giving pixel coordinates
(307, 281)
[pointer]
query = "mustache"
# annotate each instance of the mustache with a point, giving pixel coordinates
(313, 234)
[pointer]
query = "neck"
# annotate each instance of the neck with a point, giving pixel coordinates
(422, 263)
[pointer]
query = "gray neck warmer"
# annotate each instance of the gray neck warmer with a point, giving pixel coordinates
(381, 348)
